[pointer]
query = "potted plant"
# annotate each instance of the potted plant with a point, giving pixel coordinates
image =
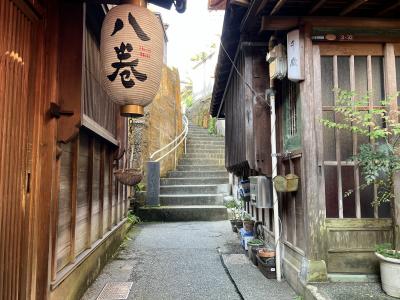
(248, 223)
(379, 162)
(235, 208)
(253, 247)
(390, 269)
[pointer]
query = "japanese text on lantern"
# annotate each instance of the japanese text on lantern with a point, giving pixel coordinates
(125, 67)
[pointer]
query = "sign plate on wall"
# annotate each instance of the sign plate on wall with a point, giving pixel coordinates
(295, 56)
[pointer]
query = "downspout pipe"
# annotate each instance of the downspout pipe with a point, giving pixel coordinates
(270, 98)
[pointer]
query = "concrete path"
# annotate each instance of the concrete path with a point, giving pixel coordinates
(184, 261)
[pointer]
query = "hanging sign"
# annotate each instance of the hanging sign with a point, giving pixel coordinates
(131, 48)
(295, 56)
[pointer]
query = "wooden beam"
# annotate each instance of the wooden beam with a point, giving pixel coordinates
(352, 7)
(316, 6)
(251, 13)
(277, 7)
(272, 23)
(261, 6)
(388, 9)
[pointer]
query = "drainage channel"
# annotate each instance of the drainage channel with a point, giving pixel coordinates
(229, 274)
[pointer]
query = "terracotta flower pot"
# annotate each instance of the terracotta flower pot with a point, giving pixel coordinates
(266, 253)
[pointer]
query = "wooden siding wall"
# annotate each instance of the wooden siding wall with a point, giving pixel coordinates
(91, 202)
(247, 119)
(235, 121)
(16, 64)
(97, 104)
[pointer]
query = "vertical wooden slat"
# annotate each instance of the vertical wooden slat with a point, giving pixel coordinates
(371, 107)
(9, 163)
(55, 224)
(74, 196)
(337, 138)
(89, 192)
(101, 190)
(355, 146)
(110, 190)
(293, 222)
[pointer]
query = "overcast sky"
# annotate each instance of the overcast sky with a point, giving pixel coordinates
(190, 33)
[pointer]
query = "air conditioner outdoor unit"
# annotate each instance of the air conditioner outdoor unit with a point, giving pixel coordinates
(261, 191)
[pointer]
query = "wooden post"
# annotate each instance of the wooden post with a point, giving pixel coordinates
(391, 93)
(314, 268)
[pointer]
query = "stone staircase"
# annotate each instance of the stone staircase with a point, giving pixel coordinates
(194, 191)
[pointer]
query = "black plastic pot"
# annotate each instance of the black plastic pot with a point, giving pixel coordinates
(233, 225)
(267, 267)
(253, 249)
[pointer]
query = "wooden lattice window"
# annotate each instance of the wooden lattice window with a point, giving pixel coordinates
(363, 74)
(291, 128)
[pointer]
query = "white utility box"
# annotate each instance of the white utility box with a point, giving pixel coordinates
(261, 191)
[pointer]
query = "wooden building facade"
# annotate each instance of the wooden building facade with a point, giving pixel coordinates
(62, 212)
(323, 232)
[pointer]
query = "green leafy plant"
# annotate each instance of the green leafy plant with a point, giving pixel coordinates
(235, 206)
(378, 160)
(139, 187)
(387, 251)
(212, 126)
(187, 93)
(133, 219)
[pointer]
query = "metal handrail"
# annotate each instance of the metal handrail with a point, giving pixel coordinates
(181, 137)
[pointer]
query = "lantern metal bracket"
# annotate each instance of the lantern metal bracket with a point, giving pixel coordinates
(56, 111)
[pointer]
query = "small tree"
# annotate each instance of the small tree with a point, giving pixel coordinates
(378, 160)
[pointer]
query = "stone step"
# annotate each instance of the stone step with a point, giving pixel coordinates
(194, 199)
(200, 133)
(191, 174)
(205, 137)
(200, 168)
(184, 213)
(201, 142)
(218, 149)
(205, 155)
(194, 180)
(198, 161)
(205, 189)
(204, 147)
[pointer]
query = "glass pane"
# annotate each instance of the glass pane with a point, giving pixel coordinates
(346, 142)
(349, 210)
(398, 76)
(327, 80)
(366, 198)
(384, 210)
(331, 194)
(378, 89)
(329, 138)
(344, 72)
(361, 77)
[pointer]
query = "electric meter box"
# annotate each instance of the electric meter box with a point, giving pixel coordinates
(261, 191)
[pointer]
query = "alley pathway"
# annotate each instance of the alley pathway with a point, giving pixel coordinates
(183, 261)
